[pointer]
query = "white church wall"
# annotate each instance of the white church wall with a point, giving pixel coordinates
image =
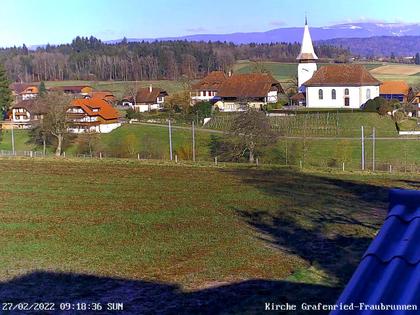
(357, 96)
(305, 72)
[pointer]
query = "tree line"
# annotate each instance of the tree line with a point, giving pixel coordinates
(91, 59)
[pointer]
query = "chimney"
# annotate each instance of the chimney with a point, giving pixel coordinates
(150, 88)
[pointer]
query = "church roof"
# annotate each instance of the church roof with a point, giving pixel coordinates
(342, 75)
(307, 49)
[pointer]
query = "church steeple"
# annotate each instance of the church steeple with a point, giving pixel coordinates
(307, 49)
(307, 57)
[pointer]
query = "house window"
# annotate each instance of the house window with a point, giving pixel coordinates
(320, 94)
(368, 93)
(333, 94)
(346, 92)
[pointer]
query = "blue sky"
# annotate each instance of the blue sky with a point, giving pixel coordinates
(56, 21)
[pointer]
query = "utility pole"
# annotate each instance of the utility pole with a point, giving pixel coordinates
(373, 149)
(170, 140)
(363, 150)
(193, 141)
(13, 141)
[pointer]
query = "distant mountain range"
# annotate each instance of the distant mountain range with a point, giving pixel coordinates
(294, 34)
(365, 39)
(404, 46)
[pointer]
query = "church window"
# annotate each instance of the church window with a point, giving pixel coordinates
(320, 94)
(346, 92)
(333, 94)
(368, 93)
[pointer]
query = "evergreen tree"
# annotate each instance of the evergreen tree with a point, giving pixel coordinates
(5, 93)
(42, 89)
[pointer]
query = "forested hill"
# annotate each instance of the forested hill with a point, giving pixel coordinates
(91, 59)
(378, 45)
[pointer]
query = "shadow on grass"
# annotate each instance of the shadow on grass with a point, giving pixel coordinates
(328, 222)
(142, 297)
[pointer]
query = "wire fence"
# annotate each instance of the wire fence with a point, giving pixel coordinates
(379, 155)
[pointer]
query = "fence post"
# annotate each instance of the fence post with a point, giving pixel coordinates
(390, 168)
(31, 154)
(138, 156)
(170, 139)
(363, 149)
(373, 149)
(176, 158)
(100, 155)
(257, 161)
(343, 166)
(64, 154)
(215, 160)
(193, 141)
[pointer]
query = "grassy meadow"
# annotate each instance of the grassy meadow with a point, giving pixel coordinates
(180, 237)
(119, 88)
(323, 144)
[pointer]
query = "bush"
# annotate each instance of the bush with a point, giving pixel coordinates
(385, 108)
(373, 105)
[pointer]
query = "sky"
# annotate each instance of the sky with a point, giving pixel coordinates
(36, 22)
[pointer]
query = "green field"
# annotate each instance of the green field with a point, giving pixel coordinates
(120, 87)
(180, 237)
(280, 70)
(322, 145)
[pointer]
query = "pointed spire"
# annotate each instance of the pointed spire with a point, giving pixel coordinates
(307, 49)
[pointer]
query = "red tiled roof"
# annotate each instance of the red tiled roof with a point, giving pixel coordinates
(18, 87)
(298, 97)
(72, 88)
(106, 111)
(211, 82)
(144, 95)
(105, 95)
(394, 87)
(342, 75)
(249, 85)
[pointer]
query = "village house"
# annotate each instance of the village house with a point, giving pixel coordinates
(396, 90)
(206, 90)
(25, 114)
(23, 91)
(75, 90)
(252, 90)
(107, 96)
(332, 86)
(92, 115)
(147, 99)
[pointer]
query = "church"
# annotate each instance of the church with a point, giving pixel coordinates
(335, 85)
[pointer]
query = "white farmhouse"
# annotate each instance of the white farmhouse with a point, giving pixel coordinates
(206, 89)
(333, 86)
(147, 99)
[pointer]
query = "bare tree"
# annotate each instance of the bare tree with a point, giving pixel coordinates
(55, 120)
(252, 130)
